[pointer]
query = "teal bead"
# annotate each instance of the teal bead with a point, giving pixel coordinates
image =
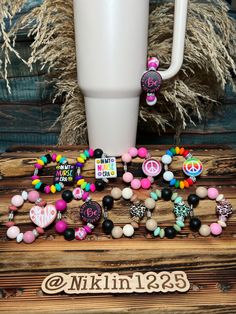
(62, 160)
(87, 188)
(157, 232)
(174, 195)
(162, 233)
(180, 223)
(158, 193)
(37, 186)
(177, 228)
(44, 159)
(154, 196)
(86, 152)
(58, 187)
(178, 200)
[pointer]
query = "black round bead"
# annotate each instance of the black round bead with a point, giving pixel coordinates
(67, 196)
(195, 224)
(42, 187)
(49, 158)
(107, 226)
(166, 194)
(69, 234)
(98, 153)
(100, 185)
(170, 232)
(108, 201)
(193, 199)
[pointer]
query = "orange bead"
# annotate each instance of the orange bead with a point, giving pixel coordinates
(181, 151)
(186, 184)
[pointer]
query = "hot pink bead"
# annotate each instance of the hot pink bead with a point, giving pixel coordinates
(28, 237)
(145, 183)
(60, 205)
(38, 166)
(12, 208)
(13, 232)
(135, 184)
(91, 152)
(153, 63)
(80, 233)
(126, 157)
(92, 187)
(216, 229)
(17, 200)
(212, 193)
(9, 224)
(151, 97)
(133, 151)
(47, 189)
(85, 196)
(34, 177)
(33, 196)
(142, 152)
(88, 229)
(127, 177)
(54, 157)
(60, 226)
(40, 230)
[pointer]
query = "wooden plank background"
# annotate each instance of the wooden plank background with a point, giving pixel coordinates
(32, 97)
(210, 263)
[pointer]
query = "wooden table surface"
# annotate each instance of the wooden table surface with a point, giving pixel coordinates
(210, 263)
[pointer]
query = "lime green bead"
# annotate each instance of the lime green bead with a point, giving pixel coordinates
(157, 232)
(177, 184)
(173, 197)
(177, 228)
(180, 223)
(83, 185)
(162, 233)
(173, 151)
(83, 156)
(158, 193)
(154, 196)
(178, 200)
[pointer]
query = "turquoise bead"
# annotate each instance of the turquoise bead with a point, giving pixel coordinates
(157, 232)
(180, 223)
(168, 152)
(177, 228)
(178, 200)
(63, 159)
(86, 152)
(162, 233)
(154, 196)
(158, 193)
(37, 186)
(44, 159)
(87, 188)
(58, 187)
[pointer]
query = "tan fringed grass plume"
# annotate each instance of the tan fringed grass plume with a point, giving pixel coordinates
(209, 57)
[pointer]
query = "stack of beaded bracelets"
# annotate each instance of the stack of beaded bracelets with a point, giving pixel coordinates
(223, 210)
(192, 167)
(180, 210)
(13, 232)
(128, 177)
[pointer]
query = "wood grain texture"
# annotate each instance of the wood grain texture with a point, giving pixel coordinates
(210, 263)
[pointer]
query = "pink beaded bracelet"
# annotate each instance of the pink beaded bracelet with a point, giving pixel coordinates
(150, 167)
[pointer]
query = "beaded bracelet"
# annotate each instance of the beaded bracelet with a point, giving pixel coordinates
(44, 160)
(137, 212)
(150, 167)
(192, 167)
(90, 213)
(223, 209)
(180, 210)
(40, 214)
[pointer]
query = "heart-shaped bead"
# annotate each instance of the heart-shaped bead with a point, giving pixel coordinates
(43, 216)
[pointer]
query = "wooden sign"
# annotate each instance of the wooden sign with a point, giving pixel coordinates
(91, 283)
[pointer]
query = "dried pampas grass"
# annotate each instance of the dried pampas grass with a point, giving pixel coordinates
(209, 61)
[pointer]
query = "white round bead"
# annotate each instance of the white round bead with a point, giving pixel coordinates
(128, 230)
(205, 230)
(24, 194)
(150, 203)
(117, 232)
(116, 193)
(222, 223)
(13, 232)
(151, 224)
(220, 197)
(166, 159)
(127, 193)
(19, 238)
(201, 192)
(168, 176)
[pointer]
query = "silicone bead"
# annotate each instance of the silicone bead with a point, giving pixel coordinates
(128, 230)
(177, 184)
(116, 193)
(58, 187)
(117, 232)
(91, 152)
(181, 185)
(44, 159)
(86, 153)
(47, 189)
(168, 152)
(205, 230)
(62, 160)
(127, 193)
(37, 186)
(145, 183)
(34, 177)
(80, 233)
(17, 200)
(58, 158)
(177, 228)
(142, 152)
(166, 159)
(201, 192)
(87, 229)
(157, 232)
(128, 177)
(162, 233)
(190, 181)
(38, 166)
(33, 196)
(80, 182)
(180, 223)
(54, 157)
(212, 193)
(173, 151)
(12, 208)
(178, 200)
(24, 194)
(177, 150)
(28, 237)
(61, 205)
(34, 182)
(154, 196)
(174, 196)
(87, 187)
(172, 182)
(181, 151)
(220, 197)
(92, 187)
(216, 229)
(151, 224)
(53, 189)
(186, 184)
(133, 152)
(150, 203)
(83, 185)
(85, 195)
(185, 153)
(60, 226)
(13, 232)
(81, 160)
(126, 158)
(40, 230)
(83, 156)
(9, 224)
(135, 184)
(168, 176)
(77, 193)
(158, 193)
(40, 162)
(19, 238)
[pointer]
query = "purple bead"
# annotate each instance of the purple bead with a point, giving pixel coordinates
(60, 226)
(60, 205)
(77, 178)
(79, 165)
